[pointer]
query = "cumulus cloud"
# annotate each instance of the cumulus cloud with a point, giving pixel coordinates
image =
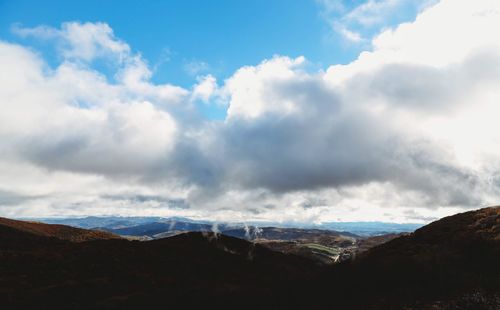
(205, 89)
(406, 131)
(80, 41)
(72, 118)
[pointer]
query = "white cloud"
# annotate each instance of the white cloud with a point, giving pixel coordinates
(348, 34)
(196, 67)
(251, 88)
(135, 76)
(372, 11)
(80, 41)
(332, 6)
(205, 89)
(444, 34)
(358, 23)
(72, 119)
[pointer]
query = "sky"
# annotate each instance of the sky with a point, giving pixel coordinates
(291, 111)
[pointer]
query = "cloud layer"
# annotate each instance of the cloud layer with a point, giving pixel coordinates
(406, 131)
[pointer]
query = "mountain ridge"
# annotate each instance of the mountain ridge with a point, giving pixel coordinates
(63, 232)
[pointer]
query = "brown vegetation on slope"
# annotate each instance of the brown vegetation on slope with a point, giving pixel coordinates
(439, 263)
(449, 264)
(57, 231)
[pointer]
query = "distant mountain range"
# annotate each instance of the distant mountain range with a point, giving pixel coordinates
(113, 222)
(371, 228)
(449, 264)
(158, 229)
(357, 228)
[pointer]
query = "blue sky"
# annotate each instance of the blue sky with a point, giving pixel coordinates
(183, 39)
(241, 111)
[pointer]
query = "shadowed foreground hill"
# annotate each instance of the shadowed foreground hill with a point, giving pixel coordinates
(450, 264)
(57, 231)
(453, 263)
(192, 269)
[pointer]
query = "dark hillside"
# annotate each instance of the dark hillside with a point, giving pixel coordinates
(443, 262)
(452, 263)
(191, 269)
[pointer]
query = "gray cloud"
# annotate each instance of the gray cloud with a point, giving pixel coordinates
(164, 201)
(329, 141)
(10, 198)
(427, 89)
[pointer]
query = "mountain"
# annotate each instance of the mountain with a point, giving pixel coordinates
(320, 246)
(370, 228)
(155, 228)
(169, 227)
(57, 231)
(449, 264)
(112, 222)
(187, 270)
(285, 234)
(452, 263)
(366, 243)
(116, 222)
